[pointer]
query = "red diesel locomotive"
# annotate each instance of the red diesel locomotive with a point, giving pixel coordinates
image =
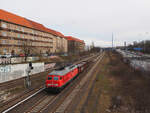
(59, 78)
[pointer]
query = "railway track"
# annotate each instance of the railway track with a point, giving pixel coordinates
(20, 97)
(40, 101)
(62, 107)
(20, 81)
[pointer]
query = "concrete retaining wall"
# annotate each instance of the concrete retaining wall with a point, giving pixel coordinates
(11, 72)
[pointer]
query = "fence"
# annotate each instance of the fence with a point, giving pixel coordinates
(16, 60)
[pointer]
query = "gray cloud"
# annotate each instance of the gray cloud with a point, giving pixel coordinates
(89, 20)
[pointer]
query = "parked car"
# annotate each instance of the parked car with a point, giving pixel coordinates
(22, 55)
(1, 56)
(44, 55)
(6, 56)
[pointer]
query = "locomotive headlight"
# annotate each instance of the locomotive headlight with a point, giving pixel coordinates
(53, 84)
(56, 84)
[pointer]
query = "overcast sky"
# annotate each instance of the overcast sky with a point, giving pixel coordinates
(89, 20)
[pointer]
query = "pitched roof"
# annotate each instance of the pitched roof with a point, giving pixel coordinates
(10, 17)
(73, 39)
(36, 25)
(59, 34)
(7, 16)
(69, 38)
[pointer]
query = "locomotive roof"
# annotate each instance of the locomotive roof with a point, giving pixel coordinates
(63, 71)
(82, 63)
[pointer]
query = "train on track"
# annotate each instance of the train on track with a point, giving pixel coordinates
(59, 78)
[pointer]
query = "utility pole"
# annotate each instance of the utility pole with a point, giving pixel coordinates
(144, 45)
(125, 46)
(112, 41)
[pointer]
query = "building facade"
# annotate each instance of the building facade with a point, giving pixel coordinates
(75, 45)
(61, 43)
(19, 35)
(14, 37)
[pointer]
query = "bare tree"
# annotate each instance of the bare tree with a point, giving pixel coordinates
(27, 48)
(145, 45)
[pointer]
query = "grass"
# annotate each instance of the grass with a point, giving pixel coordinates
(99, 100)
(119, 88)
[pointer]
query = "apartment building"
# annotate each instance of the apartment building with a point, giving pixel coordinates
(18, 33)
(61, 43)
(75, 45)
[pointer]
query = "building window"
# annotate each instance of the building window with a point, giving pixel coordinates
(4, 25)
(7, 41)
(12, 27)
(22, 36)
(22, 30)
(18, 28)
(19, 50)
(4, 50)
(34, 38)
(19, 42)
(4, 33)
(3, 41)
(18, 35)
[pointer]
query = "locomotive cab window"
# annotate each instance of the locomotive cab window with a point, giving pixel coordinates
(49, 78)
(60, 78)
(55, 78)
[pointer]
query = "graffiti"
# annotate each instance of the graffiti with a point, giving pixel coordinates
(10, 75)
(16, 60)
(11, 72)
(49, 66)
(5, 69)
(4, 61)
(53, 57)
